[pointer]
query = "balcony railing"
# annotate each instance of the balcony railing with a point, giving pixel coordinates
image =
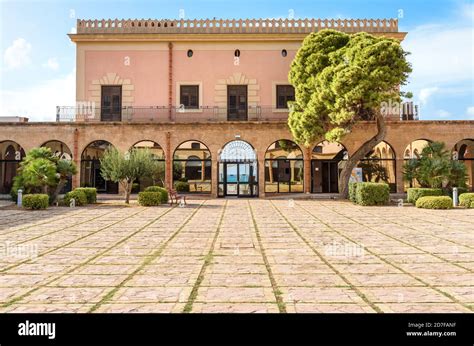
(163, 114)
(223, 26)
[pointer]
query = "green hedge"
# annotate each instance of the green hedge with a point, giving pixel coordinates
(149, 198)
(434, 202)
(79, 196)
(352, 192)
(372, 193)
(161, 190)
(466, 199)
(36, 201)
(414, 193)
(181, 186)
(91, 193)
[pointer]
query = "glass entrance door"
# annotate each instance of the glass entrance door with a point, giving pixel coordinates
(232, 181)
(239, 179)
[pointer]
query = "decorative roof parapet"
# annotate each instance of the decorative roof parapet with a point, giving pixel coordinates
(232, 26)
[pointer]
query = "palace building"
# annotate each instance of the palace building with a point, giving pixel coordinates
(209, 100)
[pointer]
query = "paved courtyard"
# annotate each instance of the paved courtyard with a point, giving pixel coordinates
(237, 256)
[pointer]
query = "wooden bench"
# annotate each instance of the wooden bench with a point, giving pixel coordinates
(173, 195)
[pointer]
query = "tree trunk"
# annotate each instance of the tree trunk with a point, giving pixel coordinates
(58, 189)
(360, 154)
(128, 190)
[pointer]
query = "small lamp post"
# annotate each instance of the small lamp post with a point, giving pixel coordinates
(19, 200)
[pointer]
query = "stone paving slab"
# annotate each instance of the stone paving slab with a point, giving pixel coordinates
(237, 255)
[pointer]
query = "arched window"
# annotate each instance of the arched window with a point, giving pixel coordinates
(90, 168)
(327, 161)
(192, 164)
(59, 149)
(464, 152)
(11, 154)
(158, 154)
(413, 151)
(284, 167)
(238, 172)
(378, 168)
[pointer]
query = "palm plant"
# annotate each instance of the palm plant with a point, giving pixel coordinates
(435, 169)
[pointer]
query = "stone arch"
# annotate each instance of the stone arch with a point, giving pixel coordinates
(11, 154)
(284, 167)
(192, 165)
(59, 148)
(90, 167)
(237, 150)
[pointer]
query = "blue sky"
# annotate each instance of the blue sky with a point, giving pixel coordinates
(38, 60)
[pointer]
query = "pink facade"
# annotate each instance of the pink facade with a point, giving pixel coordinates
(205, 68)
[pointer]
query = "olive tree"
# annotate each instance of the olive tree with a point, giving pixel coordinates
(127, 167)
(340, 80)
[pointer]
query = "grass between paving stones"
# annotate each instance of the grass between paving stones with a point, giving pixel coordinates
(146, 262)
(61, 246)
(276, 291)
(308, 243)
(454, 299)
(17, 299)
(431, 235)
(207, 261)
(45, 222)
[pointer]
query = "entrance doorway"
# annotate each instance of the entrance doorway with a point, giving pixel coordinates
(329, 173)
(238, 170)
(237, 102)
(328, 159)
(239, 179)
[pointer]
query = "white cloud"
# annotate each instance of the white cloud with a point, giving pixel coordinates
(443, 114)
(425, 93)
(467, 11)
(52, 64)
(39, 102)
(470, 112)
(18, 54)
(440, 53)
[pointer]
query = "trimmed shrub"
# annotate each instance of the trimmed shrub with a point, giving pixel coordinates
(161, 190)
(36, 201)
(472, 204)
(434, 202)
(91, 193)
(466, 199)
(149, 198)
(181, 186)
(79, 196)
(372, 193)
(414, 193)
(352, 192)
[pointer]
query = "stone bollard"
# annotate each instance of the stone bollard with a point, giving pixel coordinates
(455, 196)
(19, 200)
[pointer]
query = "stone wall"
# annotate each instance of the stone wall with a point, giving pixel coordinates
(215, 135)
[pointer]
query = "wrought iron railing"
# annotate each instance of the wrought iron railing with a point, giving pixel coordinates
(163, 114)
